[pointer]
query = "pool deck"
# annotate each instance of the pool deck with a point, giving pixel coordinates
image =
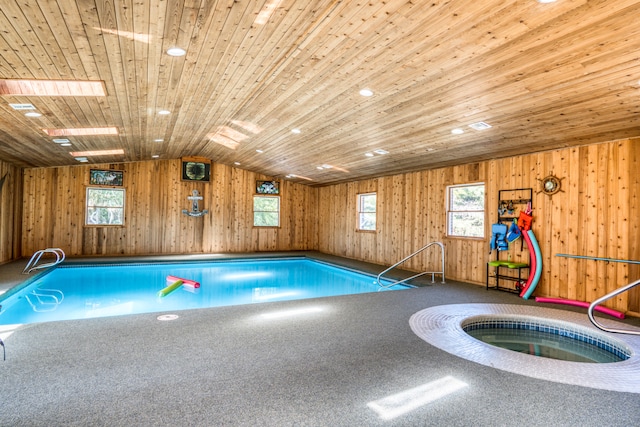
(317, 362)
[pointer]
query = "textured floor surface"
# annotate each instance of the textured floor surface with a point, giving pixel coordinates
(337, 361)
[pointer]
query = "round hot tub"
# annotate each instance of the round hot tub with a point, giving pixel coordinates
(546, 338)
(444, 327)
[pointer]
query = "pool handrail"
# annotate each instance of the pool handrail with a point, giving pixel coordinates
(433, 273)
(600, 300)
(35, 258)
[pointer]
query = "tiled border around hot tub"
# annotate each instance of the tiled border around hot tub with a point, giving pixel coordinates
(441, 326)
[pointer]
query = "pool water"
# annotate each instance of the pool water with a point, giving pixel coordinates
(78, 292)
(545, 344)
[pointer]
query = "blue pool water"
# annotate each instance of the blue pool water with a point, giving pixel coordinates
(79, 292)
(546, 344)
(544, 339)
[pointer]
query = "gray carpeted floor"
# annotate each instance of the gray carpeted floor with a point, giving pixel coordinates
(231, 366)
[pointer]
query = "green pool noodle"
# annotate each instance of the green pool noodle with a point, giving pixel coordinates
(172, 287)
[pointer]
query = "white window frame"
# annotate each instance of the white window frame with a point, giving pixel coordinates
(120, 208)
(266, 196)
(362, 212)
(451, 212)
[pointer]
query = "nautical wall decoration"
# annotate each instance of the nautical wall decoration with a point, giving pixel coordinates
(550, 185)
(195, 208)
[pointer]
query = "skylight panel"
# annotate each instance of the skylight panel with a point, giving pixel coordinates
(81, 131)
(97, 153)
(51, 87)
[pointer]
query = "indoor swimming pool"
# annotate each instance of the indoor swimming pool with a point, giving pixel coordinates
(88, 291)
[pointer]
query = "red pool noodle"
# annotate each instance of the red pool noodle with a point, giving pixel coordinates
(573, 302)
(185, 282)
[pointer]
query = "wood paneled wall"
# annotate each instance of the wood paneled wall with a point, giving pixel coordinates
(54, 212)
(10, 212)
(595, 214)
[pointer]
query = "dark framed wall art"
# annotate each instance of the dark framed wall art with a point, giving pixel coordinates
(196, 169)
(106, 177)
(267, 187)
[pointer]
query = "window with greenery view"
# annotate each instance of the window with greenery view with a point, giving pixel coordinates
(465, 210)
(266, 211)
(105, 206)
(367, 211)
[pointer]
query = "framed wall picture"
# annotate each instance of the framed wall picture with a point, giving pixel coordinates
(106, 177)
(196, 169)
(267, 187)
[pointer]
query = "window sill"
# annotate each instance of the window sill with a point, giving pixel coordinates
(479, 239)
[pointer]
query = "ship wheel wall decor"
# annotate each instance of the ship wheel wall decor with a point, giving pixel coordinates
(550, 185)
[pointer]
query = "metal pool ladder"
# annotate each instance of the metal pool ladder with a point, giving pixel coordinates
(419, 274)
(33, 262)
(603, 299)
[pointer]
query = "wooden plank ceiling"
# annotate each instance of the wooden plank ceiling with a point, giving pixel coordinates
(543, 76)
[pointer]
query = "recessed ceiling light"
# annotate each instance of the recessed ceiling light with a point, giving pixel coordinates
(295, 130)
(259, 151)
(176, 51)
(236, 163)
(480, 126)
(82, 159)
(429, 149)
(546, 1)
(327, 166)
(457, 131)
(381, 151)
(158, 140)
(33, 114)
(60, 140)
(368, 154)
(366, 92)
(164, 112)
(65, 144)
(155, 156)
(319, 167)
